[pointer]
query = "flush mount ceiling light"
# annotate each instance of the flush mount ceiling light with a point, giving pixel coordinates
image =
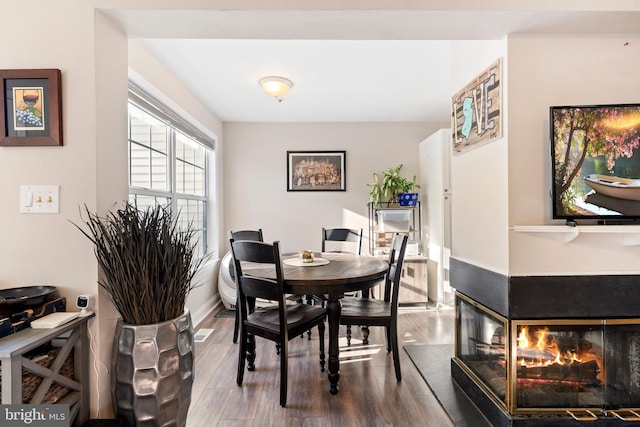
(276, 86)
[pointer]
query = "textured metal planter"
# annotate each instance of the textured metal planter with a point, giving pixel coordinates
(152, 372)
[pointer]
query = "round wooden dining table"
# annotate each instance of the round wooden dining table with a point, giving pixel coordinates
(331, 276)
(343, 273)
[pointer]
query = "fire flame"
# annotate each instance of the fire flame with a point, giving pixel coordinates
(544, 351)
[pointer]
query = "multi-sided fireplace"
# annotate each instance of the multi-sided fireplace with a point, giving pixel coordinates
(538, 367)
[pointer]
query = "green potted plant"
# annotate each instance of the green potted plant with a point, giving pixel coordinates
(393, 188)
(147, 265)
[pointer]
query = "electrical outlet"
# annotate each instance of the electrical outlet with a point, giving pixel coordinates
(39, 198)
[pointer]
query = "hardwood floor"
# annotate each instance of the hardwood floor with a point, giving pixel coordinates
(369, 394)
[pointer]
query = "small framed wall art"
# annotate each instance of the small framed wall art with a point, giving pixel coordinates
(31, 108)
(316, 171)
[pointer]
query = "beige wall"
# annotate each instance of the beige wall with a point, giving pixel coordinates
(45, 248)
(507, 183)
(255, 168)
(111, 184)
(491, 5)
(546, 71)
(479, 177)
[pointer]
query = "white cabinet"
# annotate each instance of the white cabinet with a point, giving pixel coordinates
(436, 196)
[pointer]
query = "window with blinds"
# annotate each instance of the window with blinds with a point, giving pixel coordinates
(168, 163)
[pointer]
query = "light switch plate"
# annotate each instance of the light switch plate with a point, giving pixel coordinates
(39, 198)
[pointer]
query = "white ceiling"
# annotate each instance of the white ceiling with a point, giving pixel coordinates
(347, 66)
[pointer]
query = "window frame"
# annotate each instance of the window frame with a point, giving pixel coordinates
(174, 125)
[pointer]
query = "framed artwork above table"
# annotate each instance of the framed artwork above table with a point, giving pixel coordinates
(316, 171)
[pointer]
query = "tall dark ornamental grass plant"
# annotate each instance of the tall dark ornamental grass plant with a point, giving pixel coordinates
(147, 262)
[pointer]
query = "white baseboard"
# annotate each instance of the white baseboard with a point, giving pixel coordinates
(204, 310)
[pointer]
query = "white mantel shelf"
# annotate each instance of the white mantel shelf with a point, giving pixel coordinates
(630, 233)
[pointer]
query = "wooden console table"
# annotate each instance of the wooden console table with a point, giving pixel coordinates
(14, 346)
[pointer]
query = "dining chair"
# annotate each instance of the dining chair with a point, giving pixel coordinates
(349, 240)
(242, 235)
(280, 323)
(367, 312)
(352, 237)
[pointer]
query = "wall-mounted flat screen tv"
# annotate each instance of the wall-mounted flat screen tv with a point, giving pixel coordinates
(596, 162)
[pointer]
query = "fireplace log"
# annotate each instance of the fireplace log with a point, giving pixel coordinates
(535, 355)
(582, 372)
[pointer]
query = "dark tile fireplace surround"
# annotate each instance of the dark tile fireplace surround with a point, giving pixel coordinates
(590, 302)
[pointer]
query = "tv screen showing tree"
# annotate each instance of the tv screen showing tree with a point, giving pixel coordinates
(596, 162)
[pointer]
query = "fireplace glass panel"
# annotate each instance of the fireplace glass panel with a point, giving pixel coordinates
(558, 365)
(622, 352)
(548, 367)
(481, 346)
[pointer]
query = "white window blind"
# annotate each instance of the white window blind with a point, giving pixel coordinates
(168, 162)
